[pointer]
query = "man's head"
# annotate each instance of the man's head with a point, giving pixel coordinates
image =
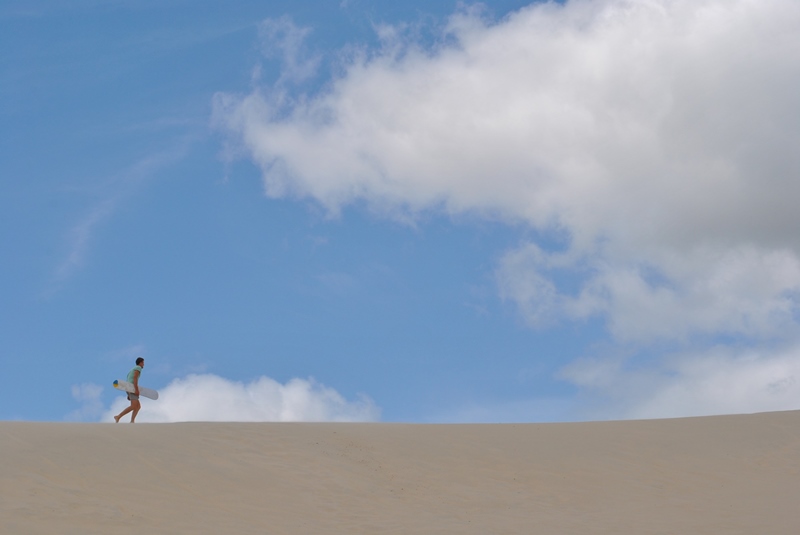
(140, 361)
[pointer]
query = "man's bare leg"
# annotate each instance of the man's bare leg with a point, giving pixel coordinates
(135, 405)
(123, 413)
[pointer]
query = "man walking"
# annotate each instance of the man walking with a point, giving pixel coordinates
(133, 378)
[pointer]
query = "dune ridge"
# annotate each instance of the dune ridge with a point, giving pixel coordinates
(720, 474)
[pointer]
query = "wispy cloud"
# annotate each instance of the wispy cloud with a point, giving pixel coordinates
(89, 396)
(209, 397)
(747, 291)
(719, 380)
(79, 238)
(282, 39)
(120, 187)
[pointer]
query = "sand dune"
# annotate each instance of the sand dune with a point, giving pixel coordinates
(715, 475)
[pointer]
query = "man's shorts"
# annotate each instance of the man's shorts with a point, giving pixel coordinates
(133, 396)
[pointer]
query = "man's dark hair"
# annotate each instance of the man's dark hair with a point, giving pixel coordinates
(139, 361)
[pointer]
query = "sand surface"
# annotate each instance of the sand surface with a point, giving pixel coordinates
(716, 475)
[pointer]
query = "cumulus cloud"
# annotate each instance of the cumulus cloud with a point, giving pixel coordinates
(590, 115)
(658, 140)
(212, 398)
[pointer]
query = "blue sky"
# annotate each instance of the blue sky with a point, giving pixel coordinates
(416, 211)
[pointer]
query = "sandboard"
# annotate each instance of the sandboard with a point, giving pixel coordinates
(125, 386)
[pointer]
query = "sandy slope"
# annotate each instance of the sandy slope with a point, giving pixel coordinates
(720, 475)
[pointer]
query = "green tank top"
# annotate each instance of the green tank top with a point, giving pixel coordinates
(130, 373)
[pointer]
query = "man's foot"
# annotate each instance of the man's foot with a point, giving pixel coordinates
(116, 418)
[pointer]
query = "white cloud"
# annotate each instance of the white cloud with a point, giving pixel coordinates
(590, 115)
(742, 291)
(208, 397)
(661, 138)
(721, 380)
(645, 131)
